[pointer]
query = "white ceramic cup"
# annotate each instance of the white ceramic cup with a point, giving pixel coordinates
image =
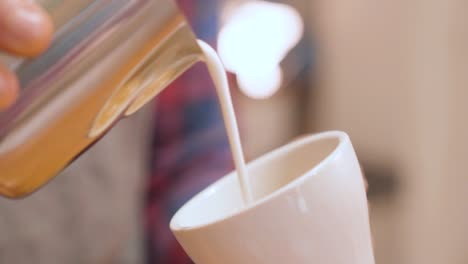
(310, 208)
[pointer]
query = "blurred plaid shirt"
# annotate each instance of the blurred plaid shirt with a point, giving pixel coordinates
(190, 145)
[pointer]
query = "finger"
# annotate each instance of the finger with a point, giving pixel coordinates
(8, 88)
(25, 28)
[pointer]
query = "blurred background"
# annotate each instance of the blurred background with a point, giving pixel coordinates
(392, 74)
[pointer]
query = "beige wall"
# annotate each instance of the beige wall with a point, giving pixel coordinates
(394, 75)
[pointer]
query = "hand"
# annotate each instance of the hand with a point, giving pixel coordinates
(25, 30)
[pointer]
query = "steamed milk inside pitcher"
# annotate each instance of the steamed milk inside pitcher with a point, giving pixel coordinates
(107, 60)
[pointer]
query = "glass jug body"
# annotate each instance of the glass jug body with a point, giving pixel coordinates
(108, 59)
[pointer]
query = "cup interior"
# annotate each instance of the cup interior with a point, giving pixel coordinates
(269, 175)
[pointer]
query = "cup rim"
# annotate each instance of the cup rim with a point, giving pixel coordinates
(342, 137)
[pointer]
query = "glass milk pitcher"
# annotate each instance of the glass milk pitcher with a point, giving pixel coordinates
(108, 58)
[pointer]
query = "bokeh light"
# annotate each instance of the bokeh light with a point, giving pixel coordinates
(254, 40)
